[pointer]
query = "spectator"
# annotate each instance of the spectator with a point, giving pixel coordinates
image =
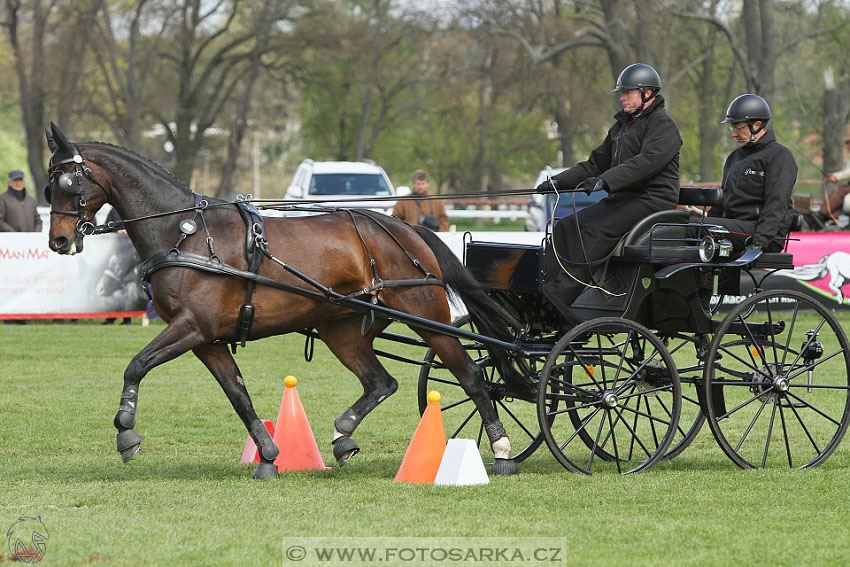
(18, 212)
(837, 201)
(429, 213)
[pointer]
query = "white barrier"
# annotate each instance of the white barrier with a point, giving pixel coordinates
(36, 283)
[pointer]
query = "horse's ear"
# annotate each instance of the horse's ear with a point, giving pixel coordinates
(60, 139)
(51, 143)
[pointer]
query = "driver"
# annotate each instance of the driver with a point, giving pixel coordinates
(637, 163)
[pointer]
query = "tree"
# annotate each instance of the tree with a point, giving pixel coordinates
(28, 49)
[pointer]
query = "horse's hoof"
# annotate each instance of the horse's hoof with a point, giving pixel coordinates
(129, 442)
(505, 467)
(344, 449)
(266, 470)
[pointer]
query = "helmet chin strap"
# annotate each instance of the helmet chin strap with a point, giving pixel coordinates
(754, 131)
(643, 100)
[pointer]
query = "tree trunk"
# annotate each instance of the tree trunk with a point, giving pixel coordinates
(31, 89)
(836, 110)
(237, 134)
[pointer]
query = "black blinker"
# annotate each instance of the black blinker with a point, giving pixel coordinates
(48, 194)
(68, 183)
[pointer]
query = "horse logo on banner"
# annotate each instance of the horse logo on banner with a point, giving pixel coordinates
(835, 265)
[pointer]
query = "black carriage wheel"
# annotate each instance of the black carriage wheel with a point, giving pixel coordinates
(689, 353)
(777, 382)
(459, 413)
(609, 391)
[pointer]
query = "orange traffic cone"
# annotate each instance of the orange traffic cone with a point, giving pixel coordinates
(251, 454)
(293, 436)
(423, 456)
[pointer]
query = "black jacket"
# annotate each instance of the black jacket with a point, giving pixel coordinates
(635, 160)
(758, 182)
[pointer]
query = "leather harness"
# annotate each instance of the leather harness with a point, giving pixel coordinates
(256, 249)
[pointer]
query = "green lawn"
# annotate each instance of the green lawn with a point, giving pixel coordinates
(186, 500)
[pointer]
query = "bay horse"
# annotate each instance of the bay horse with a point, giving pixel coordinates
(344, 251)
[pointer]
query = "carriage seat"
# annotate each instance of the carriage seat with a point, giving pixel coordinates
(636, 245)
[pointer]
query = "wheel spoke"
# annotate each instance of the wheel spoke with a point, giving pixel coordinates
(516, 420)
(809, 342)
(813, 408)
(596, 445)
(752, 424)
(741, 405)
(769, 432)
(614, 442)
(785, 436)
(806, 429)
(648, 416)
(458, 403)
(581, 428)
(819, 361)
(790, 331)
(633, 432)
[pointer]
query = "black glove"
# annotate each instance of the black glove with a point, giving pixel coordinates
(548, 186)
(592, 184)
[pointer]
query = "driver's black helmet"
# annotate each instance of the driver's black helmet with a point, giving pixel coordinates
(748, 108)
(638, 76)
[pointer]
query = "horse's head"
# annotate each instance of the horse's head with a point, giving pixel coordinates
(74, 192)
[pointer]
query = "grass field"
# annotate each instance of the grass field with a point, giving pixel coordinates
(186, 500)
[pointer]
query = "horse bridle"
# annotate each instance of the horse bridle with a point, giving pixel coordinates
(72, 184)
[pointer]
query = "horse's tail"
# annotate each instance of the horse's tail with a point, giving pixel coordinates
(489, 317)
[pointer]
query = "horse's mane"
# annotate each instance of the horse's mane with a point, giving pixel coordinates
(142, 161)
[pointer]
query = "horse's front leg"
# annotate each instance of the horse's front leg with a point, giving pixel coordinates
(177, 338)
(220, 363)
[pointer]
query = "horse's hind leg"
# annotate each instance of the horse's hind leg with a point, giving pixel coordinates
(178, 337)
(471, 378)
(220, 363)
(344, 339)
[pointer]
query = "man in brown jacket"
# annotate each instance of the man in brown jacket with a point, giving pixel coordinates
(18, 211)
(426, 212)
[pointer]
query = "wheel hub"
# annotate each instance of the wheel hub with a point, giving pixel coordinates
(780, 384)
(609, 400)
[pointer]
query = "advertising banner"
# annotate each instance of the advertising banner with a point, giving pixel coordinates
(37, 283)
(104, 280)
(821, 269)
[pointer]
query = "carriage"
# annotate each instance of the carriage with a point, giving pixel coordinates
(627, 378)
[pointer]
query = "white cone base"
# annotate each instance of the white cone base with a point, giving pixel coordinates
(461, 465)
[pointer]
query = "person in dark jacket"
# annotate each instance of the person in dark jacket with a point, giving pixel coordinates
(18, 212)
(637, 163)
(758, 180)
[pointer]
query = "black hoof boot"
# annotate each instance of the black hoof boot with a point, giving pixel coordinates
(266, 470)
(505, 467)
(129, 442)
(344, 449)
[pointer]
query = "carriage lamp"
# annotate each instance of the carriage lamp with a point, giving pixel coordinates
(812, 350)
(711, 247)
